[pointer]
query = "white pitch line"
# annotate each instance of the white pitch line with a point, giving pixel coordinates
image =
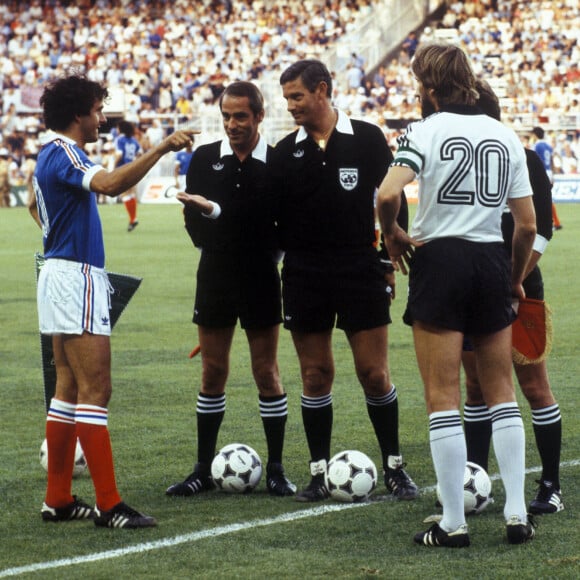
(215, 532)
(181, 539)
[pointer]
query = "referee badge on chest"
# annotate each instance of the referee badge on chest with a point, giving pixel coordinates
(348, 177)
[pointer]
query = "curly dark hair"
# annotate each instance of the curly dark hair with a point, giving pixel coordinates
(67, 97)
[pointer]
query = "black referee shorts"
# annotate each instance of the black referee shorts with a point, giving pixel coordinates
(346, 289)
(461, 285)
(534, 285)
(237, 287)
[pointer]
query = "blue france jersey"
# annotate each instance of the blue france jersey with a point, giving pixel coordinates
(545, 152)
(183, 158)
(71, 226)
(129, 148)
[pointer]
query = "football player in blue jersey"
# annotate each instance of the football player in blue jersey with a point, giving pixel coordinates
(127, 150)
(74, 296)
(182, 161)
(546, 153)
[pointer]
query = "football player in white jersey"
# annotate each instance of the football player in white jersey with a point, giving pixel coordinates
(461, 282)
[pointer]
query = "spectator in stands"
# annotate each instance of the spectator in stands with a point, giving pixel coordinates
(538, 61)
(4, 177)
(410, 44)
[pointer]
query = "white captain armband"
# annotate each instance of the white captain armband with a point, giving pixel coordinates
(540, 244)
(216, 210)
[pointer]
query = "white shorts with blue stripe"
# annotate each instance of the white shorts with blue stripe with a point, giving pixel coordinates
(73, 298)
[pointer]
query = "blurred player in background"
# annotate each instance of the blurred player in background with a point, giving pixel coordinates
(461, 282)
(229, 216)
(327, 173)
(128, 149)
(533, 377)
(182, 161)
(27, 169)
(74, 297)
(546, 154)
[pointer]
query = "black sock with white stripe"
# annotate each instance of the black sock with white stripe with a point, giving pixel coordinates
(384, 415)
(274, 413)
(210, 412)
(477, 426)
(547, 424)
(317, 415)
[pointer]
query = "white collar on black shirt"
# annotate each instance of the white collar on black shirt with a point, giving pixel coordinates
(343, 125)
(260, 150)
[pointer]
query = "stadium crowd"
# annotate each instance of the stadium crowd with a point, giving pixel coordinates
(179, 55)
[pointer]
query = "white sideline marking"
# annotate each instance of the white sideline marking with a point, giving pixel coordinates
(215, 532)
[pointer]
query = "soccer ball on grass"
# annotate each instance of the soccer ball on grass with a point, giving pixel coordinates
(237, 468)
(351, 476)
(80, 464)
(476, 489)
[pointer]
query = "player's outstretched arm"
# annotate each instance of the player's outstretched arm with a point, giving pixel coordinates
(116, 182)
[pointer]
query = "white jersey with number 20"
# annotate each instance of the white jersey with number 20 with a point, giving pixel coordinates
(467, 166)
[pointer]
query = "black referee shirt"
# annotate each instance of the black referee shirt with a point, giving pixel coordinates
(542, 198)
(244, 192)
(326, 198)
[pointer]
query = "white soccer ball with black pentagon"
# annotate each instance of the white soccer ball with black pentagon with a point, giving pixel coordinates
(476, 489)
(80, 464)
(351, 476)
(237, 468)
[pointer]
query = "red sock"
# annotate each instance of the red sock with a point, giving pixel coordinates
(93, 434)
(61, 438)
(555, 218)
(131, 207)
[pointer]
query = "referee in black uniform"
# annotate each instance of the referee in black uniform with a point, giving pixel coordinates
(229, 216)
(327, 174)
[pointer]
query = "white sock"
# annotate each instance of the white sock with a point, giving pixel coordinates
(449, 455)
(509, 444)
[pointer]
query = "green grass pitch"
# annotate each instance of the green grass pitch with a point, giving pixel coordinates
(152, 424)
